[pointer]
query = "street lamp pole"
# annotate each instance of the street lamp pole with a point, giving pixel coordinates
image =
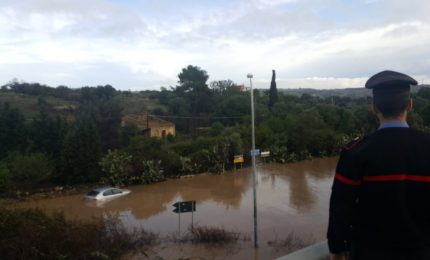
(253, 162)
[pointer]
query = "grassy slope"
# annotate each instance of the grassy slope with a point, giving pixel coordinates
(136, 103)
(132, 103)
(28, 105)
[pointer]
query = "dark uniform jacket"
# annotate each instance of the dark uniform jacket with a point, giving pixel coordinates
(381, 192)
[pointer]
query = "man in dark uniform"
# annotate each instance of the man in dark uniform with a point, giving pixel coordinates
(380, 201)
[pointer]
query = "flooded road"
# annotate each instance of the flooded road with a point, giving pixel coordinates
(290, 197)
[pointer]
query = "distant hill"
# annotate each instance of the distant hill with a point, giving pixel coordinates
(66, 102)
(347, 92)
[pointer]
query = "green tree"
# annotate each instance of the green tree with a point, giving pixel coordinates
(236, 106)
(216, 128)
(225, 87)
(47, 134)
(234, 147)
(193, 87)
(5, 178)
(12, 130)
(415, 121)
(100, 106)
(81, 154)
(179, 106)
(128, 131)
(309, 135)
(424, 92)
(192, 79)
(263, 134)
(367, 122)
(425, 114)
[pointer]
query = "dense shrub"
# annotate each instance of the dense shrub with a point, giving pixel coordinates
(119, 170)
(31, 234)
(212, 235)
(23, 171)
(5, 178)
(152, 173)
(12, 130)
(208, 154)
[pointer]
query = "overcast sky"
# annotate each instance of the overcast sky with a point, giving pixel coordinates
(144, 44)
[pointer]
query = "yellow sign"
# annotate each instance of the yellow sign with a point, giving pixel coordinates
(238, 159)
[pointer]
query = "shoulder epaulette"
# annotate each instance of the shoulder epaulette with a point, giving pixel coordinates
(351, 145)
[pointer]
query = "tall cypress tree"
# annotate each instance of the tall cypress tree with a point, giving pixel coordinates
(273, 91)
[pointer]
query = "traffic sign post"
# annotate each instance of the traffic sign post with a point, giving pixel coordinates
(253, 155)
(184, 207)
(255, 152)
(265, 154)
(238, 159)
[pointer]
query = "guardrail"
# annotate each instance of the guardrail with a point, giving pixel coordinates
(314, 252)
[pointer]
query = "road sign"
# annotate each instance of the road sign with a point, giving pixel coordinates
(255, 152)
(265, 154)
(185, 206)
(238, 159)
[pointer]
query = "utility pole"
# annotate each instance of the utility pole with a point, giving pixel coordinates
(253, 162)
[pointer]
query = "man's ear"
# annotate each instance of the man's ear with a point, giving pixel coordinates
(410, 106)
(375, 109)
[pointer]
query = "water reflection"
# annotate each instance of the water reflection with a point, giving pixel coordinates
(297, 176)
(148, 201)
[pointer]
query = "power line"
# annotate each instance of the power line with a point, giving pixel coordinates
(198, 117)
(52, 117)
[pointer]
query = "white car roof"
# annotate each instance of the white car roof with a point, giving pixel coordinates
(101, 189)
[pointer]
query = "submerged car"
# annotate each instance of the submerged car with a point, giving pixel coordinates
(106, 193)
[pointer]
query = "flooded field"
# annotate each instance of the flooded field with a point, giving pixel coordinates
(291, 198)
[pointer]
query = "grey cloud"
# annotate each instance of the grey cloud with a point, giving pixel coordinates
(83, 18)
(361, 64)
(261, 21)
(207, 37)
(90, 74)
(243, 24)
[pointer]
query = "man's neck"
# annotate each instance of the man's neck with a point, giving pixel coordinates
(389, 122)
(402, 117)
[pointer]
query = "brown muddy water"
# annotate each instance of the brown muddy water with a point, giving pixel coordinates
(290, 197)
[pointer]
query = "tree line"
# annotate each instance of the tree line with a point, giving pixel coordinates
(212, 122)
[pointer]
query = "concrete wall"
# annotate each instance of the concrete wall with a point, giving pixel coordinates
(157, 131)
(156, 125)
(314, 252)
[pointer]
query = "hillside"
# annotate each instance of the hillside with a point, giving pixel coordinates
(139, 102)
(143, 101)
(131, 102)
(29, 105)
